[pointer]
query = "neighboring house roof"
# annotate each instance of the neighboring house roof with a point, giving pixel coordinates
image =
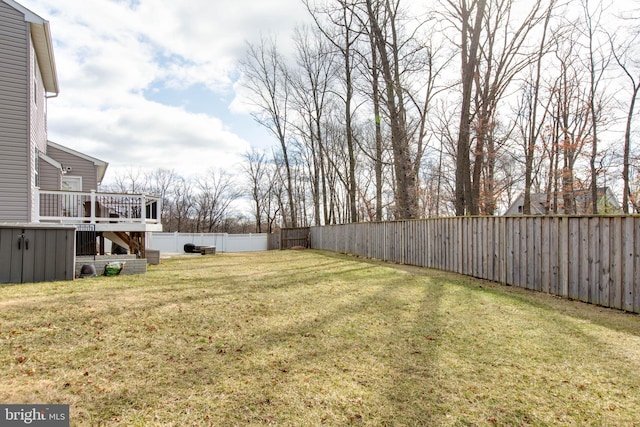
(606, 200)
(101, 165)
(42, 43)
(538, 203)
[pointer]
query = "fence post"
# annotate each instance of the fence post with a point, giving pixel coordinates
(143, 208)
(37, 205)
(92, 208)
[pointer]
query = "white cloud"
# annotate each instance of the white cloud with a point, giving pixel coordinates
(110, 54)
(148, 135)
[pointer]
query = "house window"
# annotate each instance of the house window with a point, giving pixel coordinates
(72, 204)
(71, 183)
(520, 209)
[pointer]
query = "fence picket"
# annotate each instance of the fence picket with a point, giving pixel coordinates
(594, 261)
(605, 263)
(636, 265)
(545, 256)
(627, 264)
(554, 256)
(616, 263)
(585, 279)
(532, 236)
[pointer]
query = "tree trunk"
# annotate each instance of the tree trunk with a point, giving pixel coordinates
(463, 196)
(627, 150)
(406, 194)
(378, 128)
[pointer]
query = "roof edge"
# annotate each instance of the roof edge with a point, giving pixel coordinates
(52, 85)
(100, 164)
(51, 161)
(29, 15)
(42, 44)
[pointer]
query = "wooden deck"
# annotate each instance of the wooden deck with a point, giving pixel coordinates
(106, 211)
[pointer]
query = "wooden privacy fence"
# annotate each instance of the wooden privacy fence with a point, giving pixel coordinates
(595, 259)
(291, 237)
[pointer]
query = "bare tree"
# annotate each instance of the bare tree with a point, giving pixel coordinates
(255, 168)
(217, 192)
(343, 35)
(266, 77)
(624, 55)
(160, 183)
(311, 99)
(598, 61)
(383, 24)
(446, 152)
(353, 110)
(532, 124)
(183, 204)
(375, 98)
(131, 180)
(495, 48)
(571, 121)
(469, 30)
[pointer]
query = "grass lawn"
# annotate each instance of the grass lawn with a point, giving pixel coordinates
(306, 338)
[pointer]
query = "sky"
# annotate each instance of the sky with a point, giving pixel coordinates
(148, 84)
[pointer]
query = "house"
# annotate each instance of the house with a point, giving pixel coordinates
(607, 203)
(43, 181)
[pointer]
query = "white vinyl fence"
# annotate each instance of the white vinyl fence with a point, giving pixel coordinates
(224, 242)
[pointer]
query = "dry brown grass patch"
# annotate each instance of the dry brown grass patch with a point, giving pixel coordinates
(311, 338)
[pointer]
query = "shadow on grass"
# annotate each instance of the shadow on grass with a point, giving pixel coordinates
(625, 322)
(298, 362)
(339, 341)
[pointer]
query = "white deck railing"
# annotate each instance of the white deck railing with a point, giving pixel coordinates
(78, 207)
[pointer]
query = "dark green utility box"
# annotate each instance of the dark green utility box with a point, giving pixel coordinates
(37, 252)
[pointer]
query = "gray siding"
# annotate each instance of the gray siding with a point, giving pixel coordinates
(50, 178)
(79, 167)
(15, 79)
(38, 119)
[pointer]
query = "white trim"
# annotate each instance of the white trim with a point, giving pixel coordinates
(49, 160)
(29, 16)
